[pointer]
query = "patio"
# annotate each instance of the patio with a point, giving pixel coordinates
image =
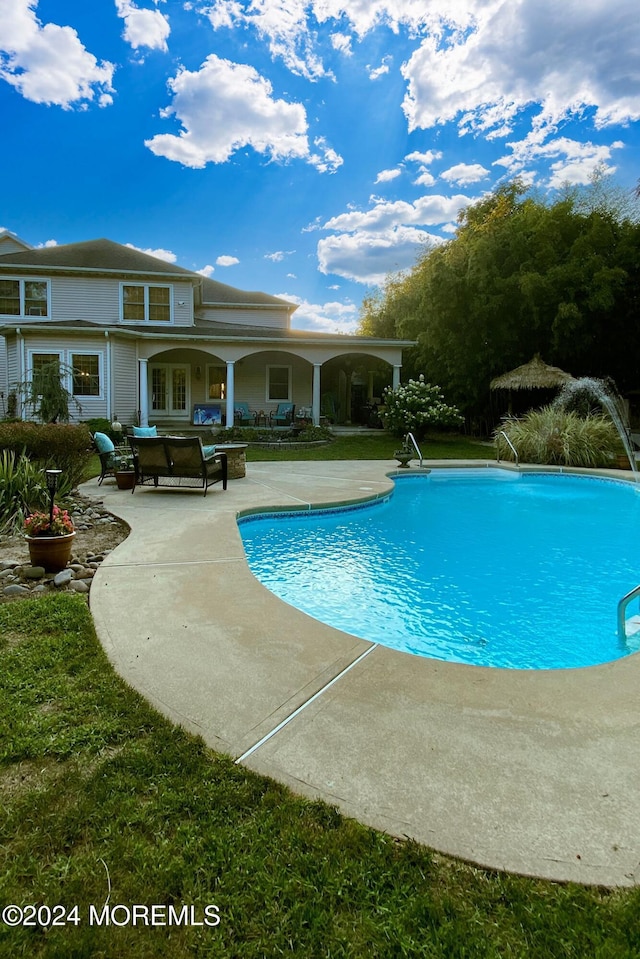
(533, 772)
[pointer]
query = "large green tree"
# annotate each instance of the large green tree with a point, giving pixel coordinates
(521, 276)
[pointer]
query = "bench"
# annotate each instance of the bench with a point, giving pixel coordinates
(176, 461)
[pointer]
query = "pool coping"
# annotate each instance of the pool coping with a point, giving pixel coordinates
(533, 772)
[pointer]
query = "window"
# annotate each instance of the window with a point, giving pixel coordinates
(142, 302)
(24, 297)
(44, 366)
(216, 382)
(278, 383)
(35, 297)
(86, 374)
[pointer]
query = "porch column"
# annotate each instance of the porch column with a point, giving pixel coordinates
(396, 377)
(230, 418)
(143, 370)
(315, 394)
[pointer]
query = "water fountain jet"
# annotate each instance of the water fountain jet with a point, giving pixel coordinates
(574, 394)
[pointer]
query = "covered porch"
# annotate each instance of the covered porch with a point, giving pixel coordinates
(206, 385)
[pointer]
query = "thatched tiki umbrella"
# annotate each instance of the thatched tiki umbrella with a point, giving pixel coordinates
(534, 375)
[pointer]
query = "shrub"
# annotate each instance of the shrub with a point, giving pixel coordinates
(416, 407)
(53, 445)
(556, 437)
(313, 434)
(22, 489)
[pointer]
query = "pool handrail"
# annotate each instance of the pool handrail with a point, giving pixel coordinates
(411, 437)
(622, 609)
(513, 449)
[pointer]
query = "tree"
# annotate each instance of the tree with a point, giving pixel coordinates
(45, 395)
(521, 276)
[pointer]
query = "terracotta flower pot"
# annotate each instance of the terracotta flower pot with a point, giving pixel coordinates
(51, 552)
(125, 479)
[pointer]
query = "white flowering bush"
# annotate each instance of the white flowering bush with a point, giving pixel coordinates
(417, 407)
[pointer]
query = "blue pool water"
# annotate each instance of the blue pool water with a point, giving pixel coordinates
(486, 567)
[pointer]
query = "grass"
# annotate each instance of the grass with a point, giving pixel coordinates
(91, 775)
(376, 446)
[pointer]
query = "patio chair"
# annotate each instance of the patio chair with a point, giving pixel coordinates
(283, 416)
(111, 459)
(243, 416)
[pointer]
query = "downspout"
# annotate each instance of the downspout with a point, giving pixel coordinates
(107, 376)
(22, 370)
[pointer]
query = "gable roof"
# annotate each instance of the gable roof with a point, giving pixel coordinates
(98, 256)
(12, 242)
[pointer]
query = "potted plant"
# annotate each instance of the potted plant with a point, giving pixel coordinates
(50, 538)
(403, 455)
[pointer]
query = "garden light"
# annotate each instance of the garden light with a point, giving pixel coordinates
(52, 477)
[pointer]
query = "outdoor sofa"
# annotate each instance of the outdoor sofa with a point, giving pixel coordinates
(177, 461)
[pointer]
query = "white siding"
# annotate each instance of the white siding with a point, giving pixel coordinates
(251, 380)
(124, 380)
(97, 299)
(4, 377)
(266, 318)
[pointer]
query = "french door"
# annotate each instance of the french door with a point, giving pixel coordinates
(169, 389)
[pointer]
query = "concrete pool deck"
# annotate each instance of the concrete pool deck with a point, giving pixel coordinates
(535, 772)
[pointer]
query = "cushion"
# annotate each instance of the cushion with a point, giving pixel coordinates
(208, 450)
(103, 443)
(145, 431)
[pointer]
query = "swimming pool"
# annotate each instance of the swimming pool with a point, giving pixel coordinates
(488, 567)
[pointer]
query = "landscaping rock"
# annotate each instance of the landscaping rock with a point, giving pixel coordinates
(63, 578)
(97, 533)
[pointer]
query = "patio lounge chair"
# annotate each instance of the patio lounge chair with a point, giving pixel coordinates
(283, 416)
(243, 416)
(177, 461)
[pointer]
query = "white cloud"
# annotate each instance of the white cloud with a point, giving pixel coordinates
(565, 57)
(425, 179)
(342, 42)
(40, 246)
(427, 210)
(386, 175)
(48, 63)
(464, 173)
(425, 158)
(143, 28)
(575, 164)
(367, 245)
(369, 257)
(376, 72)
(159, 253)
(279, 255)
(227, 260)
(290, 26)
(333, 317)
(282, 23)
(207, 270)
(327, 161)
(223, 107)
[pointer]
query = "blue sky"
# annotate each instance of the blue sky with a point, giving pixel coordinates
(306, 148)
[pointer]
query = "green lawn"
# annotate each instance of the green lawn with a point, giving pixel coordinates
(92, 778)
(377, 446)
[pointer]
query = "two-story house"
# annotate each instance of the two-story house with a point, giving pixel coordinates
(148, 341)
